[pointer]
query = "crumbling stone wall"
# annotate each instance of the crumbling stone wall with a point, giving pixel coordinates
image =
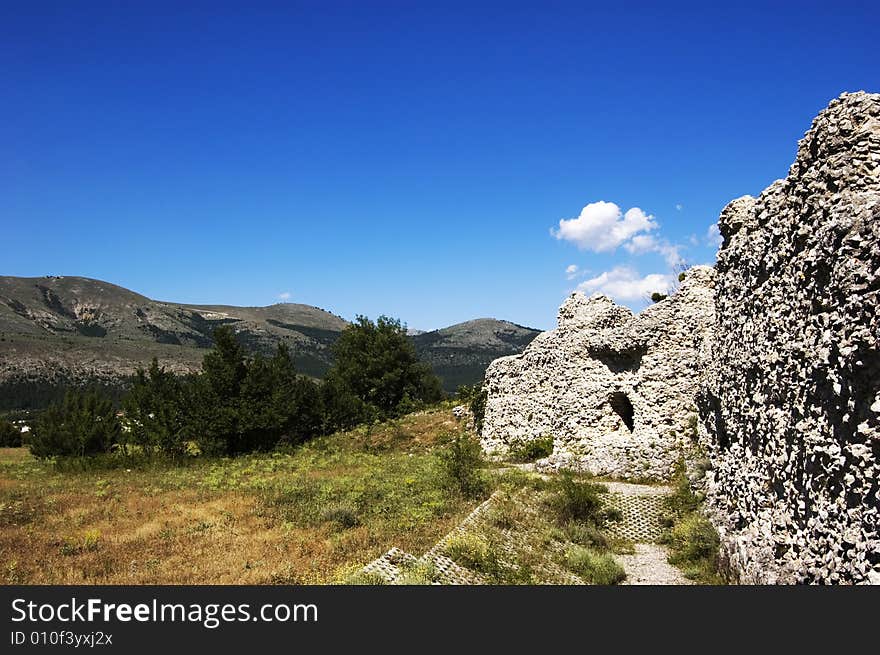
(615, 390)
(790, 403)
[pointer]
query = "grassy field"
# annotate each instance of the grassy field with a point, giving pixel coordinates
(312, 515)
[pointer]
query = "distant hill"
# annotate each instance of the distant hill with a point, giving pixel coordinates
(460, 353)
(73, 330)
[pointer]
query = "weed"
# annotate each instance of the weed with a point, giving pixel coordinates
(479, 553)
(692, 539)
(90, 541)
(343, 516)
(506, 512)
(418, 573)
(365, 578)
(461, 461)
(595, 568)
(579, 500)
(529, 450)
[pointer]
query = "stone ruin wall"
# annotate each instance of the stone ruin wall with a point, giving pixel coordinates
(783, 365)
(615, 390)
(790, 402)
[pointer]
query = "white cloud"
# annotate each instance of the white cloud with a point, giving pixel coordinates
(284, 295)
(623, 283)
(571, 271)
(642, 243)
(713, 236)
(602, 227)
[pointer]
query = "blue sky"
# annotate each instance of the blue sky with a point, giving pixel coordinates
(412, 159)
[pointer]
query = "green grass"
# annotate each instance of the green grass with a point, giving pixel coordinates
(594, 567)
(530, 450)
(312, 514)
(692, 540)
(579, 499)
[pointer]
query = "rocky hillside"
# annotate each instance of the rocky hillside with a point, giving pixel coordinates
(460, 353)
(56, 330)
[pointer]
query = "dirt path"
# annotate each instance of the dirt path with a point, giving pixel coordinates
(642, 507)
(648, 566)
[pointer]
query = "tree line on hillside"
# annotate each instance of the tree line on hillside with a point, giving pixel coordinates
(240, 404)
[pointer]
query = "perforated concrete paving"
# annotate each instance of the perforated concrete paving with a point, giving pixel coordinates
(640, 507)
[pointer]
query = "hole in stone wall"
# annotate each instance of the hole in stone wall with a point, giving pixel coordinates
(624, 409)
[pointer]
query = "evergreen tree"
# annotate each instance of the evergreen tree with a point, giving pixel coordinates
(84, 423)
(153, 408)
(377, 364)
(10, 434)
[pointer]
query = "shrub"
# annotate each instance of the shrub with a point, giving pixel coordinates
(585, 535)
(529, 450)
(692, 539)
(474, 552)
(477, 406)
(83, 424)
(10, 434)
(593, 567)
(579, 500)
(418, 573)
(343, 516)
(477, 553)
(506, 512)
(460, 461)
(474, 396)
(682, 501)
(657, 296)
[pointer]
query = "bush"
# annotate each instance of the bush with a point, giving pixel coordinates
(593, 567)
(586, 535)
(474, 396)
(474, 552)
(579, 500)
(529, 450)
(10, 434)
(343, 516)
(83, 424)
(657, 296)
(460, 462)
(418, 573)
(692, 539)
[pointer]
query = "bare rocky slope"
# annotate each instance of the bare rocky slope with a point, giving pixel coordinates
(60, 330)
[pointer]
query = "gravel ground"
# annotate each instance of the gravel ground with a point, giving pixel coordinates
(648, 566)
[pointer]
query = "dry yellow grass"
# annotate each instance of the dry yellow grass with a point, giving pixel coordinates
(258, 519)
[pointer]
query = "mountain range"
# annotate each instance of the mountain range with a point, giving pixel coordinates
(59, 330)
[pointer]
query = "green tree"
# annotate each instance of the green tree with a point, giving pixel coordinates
(10, 434)
(377, 364)
(294, 399)
(84, 423)
(153, 407)
(212, 401)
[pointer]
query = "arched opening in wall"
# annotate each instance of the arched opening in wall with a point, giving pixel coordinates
(622, 406)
